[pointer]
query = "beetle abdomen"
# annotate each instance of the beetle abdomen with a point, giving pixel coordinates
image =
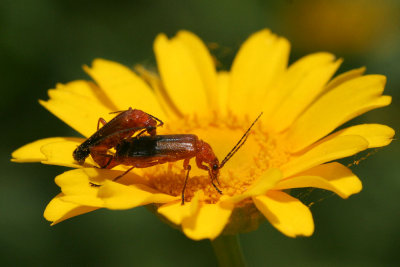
(179, 145)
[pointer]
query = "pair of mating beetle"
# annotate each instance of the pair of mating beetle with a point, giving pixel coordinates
(125, 132)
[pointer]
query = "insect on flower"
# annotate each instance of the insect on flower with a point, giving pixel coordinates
(122, 126)
(297, 147)
(146, 151)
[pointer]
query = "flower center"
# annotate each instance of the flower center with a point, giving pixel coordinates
(261, 151)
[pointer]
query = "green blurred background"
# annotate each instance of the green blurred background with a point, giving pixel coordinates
(43, 42)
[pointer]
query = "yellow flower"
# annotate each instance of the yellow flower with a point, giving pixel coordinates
(291, 146)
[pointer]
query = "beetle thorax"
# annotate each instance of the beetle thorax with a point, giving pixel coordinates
(206, 154)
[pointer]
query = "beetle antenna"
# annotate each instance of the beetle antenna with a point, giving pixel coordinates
(118, 111)
(239, 144)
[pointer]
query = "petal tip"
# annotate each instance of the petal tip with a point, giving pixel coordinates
(160, 39)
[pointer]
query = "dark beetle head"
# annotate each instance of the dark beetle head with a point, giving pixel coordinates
(80, 155)
(214, 169)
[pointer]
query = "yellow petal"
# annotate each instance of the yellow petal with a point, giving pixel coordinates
(344, 77)
(60, 153)
(77, 183)
(87, 89)
(124, 87)
(260, 61)
(335, 148)
(198, 220)
(296, 79)
(181, 75)
(223, 91)
(154, 81)
(204, 65)
(305, 91)
(176, 212)
(337, 106)
(77, 188)
(287, 214)
(79, 111)
(267, 181)
(118, 196)
(377, 135)
(58, 210)
(208, 222)
(31, 152)
(84, 200)
(331, 176)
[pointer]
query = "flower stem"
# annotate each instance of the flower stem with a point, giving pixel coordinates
(228, 251)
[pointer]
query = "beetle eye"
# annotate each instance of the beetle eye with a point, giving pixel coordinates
(215, 167)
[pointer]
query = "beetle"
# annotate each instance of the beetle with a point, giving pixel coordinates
(147, 151)
(122, 126)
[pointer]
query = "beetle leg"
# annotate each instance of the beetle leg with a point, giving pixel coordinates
(109, 161)
(160, 122)
(141, 132)
(187, 167)
(115, 179)
(204, 167)
(137, 165)
(216, 179)
(126, 172)
(103, 158)
(102, 121)
(212, 182)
